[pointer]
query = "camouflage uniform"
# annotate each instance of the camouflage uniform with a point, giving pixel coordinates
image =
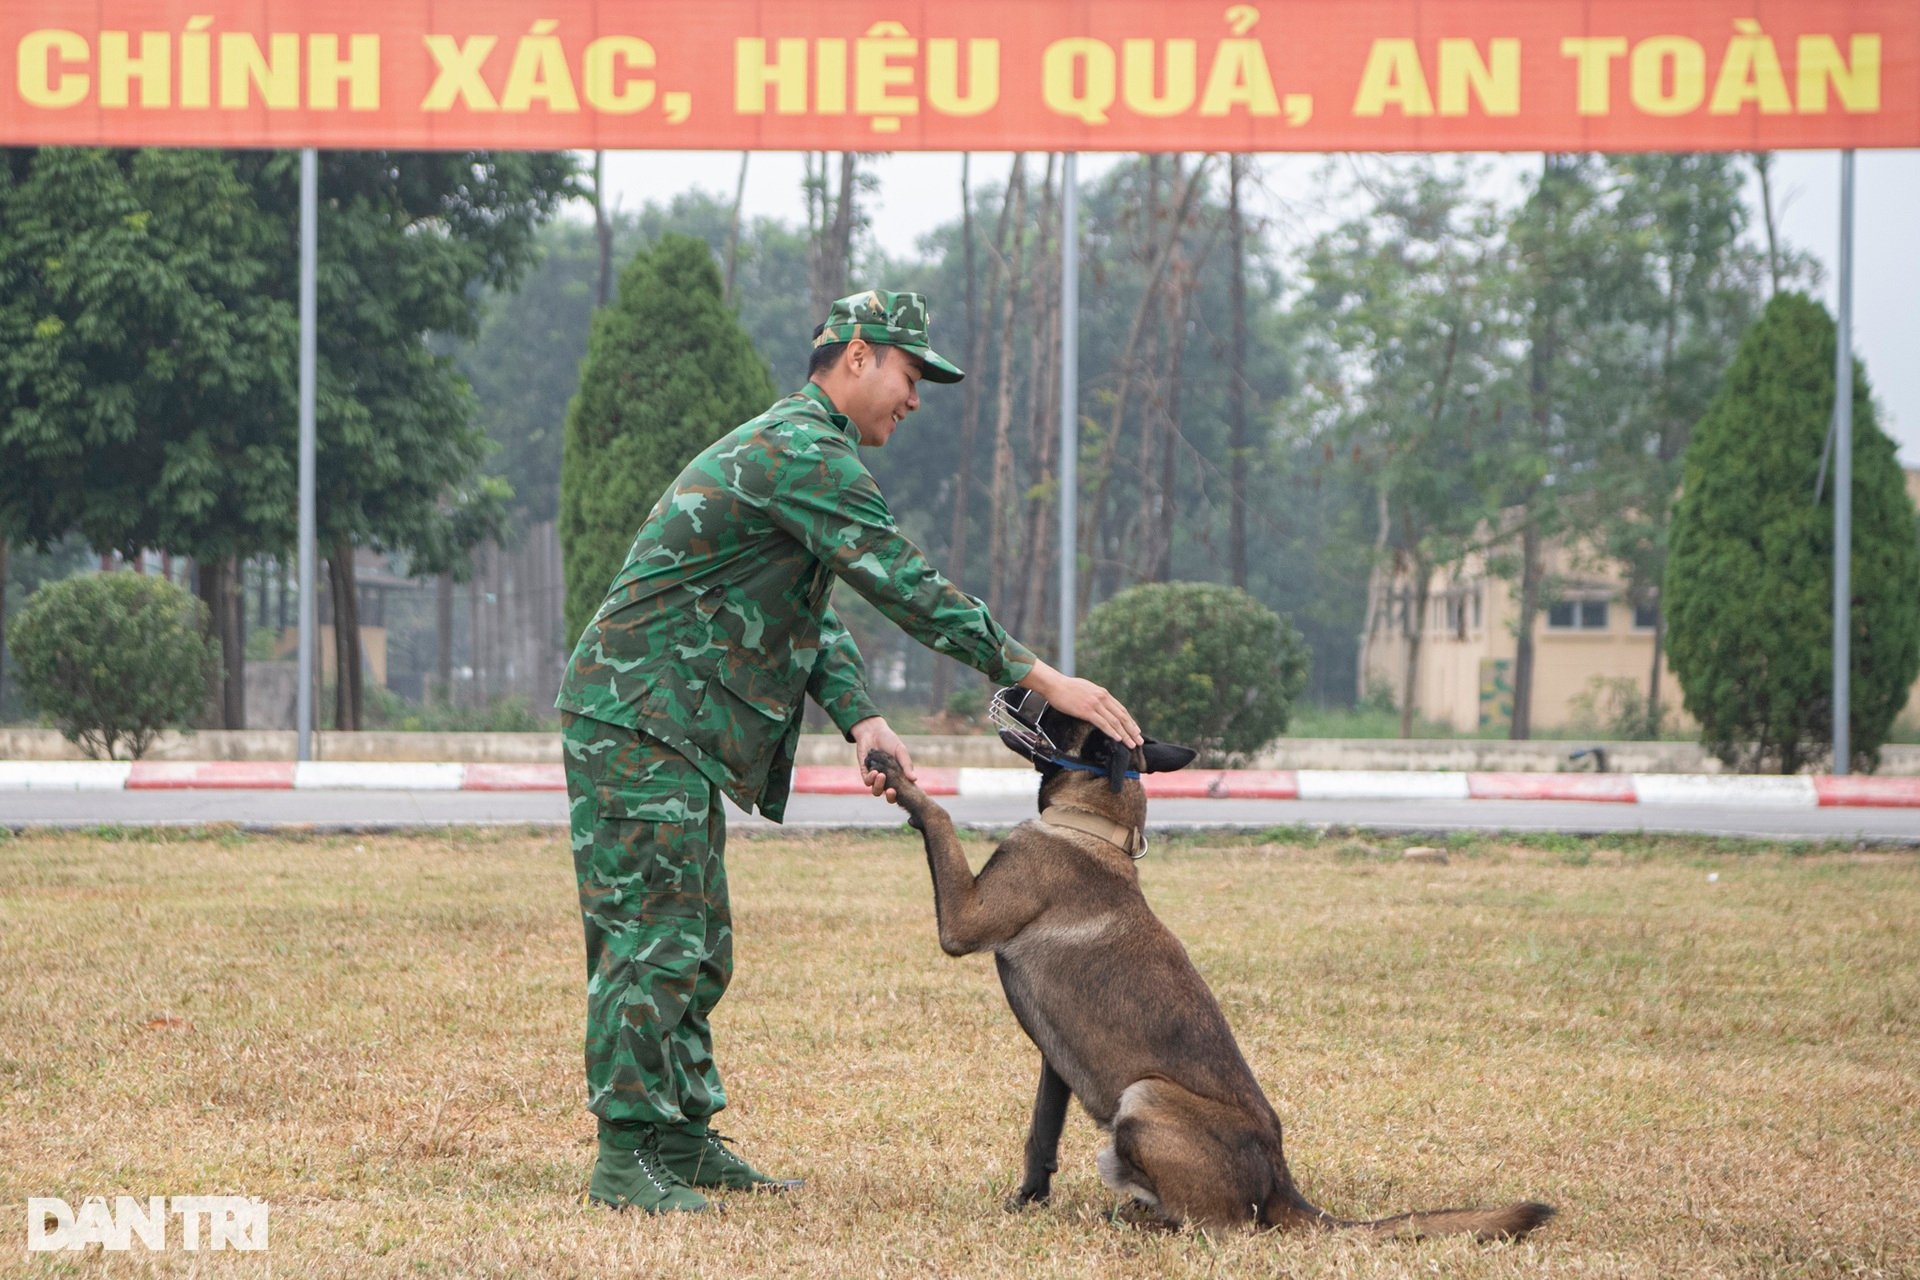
(689, 681)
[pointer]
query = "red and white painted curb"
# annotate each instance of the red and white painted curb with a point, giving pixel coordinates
(1797, 792)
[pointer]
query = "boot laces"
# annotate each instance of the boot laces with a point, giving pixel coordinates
(656, 1171)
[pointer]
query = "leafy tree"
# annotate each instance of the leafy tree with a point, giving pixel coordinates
(114, 658)
(146, 362)
(1198, 663)
(524, 362)
(668, 369)
(1575, 275)
(1699, 291)
(147, 349)
(409, 243)
(1409, 352)
(1749, 580)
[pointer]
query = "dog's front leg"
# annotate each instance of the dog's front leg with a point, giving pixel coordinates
(968, 920)
(1043, 1138)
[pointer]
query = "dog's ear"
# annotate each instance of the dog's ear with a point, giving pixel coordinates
(1165, 757)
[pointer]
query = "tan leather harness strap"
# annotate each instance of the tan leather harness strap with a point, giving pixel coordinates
(1130, 841)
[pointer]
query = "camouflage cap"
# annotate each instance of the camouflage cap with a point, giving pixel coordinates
(889, 319)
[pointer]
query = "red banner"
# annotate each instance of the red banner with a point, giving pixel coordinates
(882, 75)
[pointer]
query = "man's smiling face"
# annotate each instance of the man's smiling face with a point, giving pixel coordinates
(885, 389)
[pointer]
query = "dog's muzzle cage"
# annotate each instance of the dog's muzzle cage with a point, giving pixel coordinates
(1015, 713)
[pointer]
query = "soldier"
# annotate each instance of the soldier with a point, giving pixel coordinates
(688, 684)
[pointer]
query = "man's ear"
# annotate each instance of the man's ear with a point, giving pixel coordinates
(1165, 757)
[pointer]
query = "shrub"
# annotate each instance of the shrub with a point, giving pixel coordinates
(1199, 664)
(668, 370)
(1615, 708)
(1749, 586)
(114, 658)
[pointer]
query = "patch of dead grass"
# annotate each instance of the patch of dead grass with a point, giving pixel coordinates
(1709, 1076)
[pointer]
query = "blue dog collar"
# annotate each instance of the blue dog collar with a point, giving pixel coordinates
(1078, 767)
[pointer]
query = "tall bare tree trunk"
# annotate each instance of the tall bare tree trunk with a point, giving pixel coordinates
(347, 699)
(206, 585)
(999, 494)
(3, 627)
(1170, 448)
(1038, 546)
(1763, 165)
(831, 222)
(1162, 512)
(234, 644)
(443, 636)
(959, 530)
(1655, 716)
(1383, 528)
(1095, 511)
(733, 225)
(602, 230)
(1414, 628)
(342, 717)
(1523, 652)
(1543, 351)
(214, 583)
(1237, 443)
(476, 634)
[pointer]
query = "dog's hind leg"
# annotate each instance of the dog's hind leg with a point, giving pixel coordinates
(1191, 1158)
(1043, 1138)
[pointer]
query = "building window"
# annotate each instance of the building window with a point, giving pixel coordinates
(1577, 615)
(1645, 616)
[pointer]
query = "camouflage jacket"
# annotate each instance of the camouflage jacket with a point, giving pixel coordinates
(720, 621)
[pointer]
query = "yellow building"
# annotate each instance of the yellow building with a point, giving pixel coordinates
(1593, 651)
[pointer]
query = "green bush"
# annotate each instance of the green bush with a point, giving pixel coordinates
(114, 658)
(668, 370)
(1199, 664)
(1749, 587)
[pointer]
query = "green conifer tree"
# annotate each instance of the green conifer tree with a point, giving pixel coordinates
(668, 369)
(1749, 582)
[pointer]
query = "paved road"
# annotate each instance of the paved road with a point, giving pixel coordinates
(380, 809)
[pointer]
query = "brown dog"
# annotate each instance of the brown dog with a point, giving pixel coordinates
(1122, 1019)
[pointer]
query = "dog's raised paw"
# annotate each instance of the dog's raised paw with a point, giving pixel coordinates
(905, 793)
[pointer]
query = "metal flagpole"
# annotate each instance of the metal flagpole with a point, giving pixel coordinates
(1069, 402)
(1843, 484)
(309, 241)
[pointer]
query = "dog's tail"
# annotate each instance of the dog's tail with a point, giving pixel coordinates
(1287, 1209)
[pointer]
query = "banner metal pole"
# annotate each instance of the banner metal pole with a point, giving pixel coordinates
(309, 244)
(1069, 403)
(1843, 485)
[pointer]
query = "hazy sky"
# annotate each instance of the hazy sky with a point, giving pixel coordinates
(920, 191)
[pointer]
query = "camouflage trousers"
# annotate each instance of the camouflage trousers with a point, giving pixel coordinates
(649, 838)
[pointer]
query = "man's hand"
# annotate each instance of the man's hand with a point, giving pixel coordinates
(1086, 700)
(875, 734)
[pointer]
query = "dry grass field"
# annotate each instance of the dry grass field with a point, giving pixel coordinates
(1704, 1054)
